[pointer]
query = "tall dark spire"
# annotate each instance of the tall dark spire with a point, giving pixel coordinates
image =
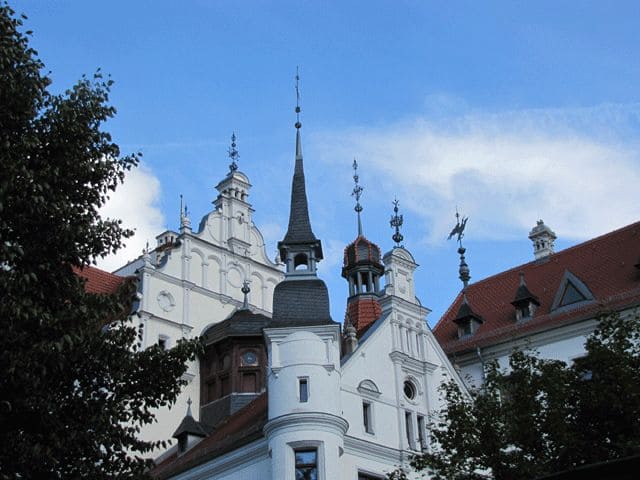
(357, 192)
(301, 298)
(299, 230)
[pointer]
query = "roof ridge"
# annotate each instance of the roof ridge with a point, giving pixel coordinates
(557, 254)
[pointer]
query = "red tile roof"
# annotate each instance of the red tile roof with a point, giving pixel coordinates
(242, 427)
(606, 265)
(99, 281)
(362, 312)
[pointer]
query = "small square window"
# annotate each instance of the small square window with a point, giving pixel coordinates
(303, 390)
(163, 342)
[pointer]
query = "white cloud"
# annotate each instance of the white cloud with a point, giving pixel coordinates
(573, 168)
(135, 202)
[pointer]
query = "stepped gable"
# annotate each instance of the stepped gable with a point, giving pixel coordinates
(239, 429)
(606, 266)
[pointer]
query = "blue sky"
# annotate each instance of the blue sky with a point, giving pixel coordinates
(512, 111)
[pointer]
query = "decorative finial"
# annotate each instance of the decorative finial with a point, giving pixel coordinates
(233, 154)
(189, 402)
(298, 109)
(464, 268)
(357, 192)
(245, 291)
(458, 231)
(185, 222)
(459, 228)
(396, 222)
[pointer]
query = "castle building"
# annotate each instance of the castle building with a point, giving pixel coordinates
(550, 304)
(195, 279)
(285, 393)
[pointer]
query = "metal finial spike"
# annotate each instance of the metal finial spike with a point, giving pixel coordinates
(233, 154)
(357, 192)
(245, 290)
(396, 222)
(298, 109)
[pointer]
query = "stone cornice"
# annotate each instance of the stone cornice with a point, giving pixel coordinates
(412, 364)
(307, 420)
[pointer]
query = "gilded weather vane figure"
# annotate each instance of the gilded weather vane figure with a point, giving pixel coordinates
(357, 192)
(396, 222)
(233, 154)
(459, 228)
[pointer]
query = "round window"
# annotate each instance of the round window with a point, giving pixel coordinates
(409, 390)
(249, 358)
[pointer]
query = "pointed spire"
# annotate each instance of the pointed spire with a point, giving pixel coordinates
(245, 291)
(396, 222)
(189, 402)
(233, 154)
(357, 192)
(299, 230)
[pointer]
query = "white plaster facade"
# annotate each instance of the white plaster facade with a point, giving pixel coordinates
(398, 348)
(192, 279)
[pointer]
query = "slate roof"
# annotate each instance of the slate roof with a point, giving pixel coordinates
(242, 427)
(361, 250)
(190, 426)
(606, 265)
(241, 323)
(99, 281)
(299, 231)
(300, 302)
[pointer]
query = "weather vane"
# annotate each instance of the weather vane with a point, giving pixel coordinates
(459, 231)
(298, 124)
(396, 222)
(233, 154)
(357, 192)
(459, 228)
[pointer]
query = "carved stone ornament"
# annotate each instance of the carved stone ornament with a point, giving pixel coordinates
(166, 301)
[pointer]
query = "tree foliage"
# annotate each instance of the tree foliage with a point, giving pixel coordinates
(74, 391)
(539, 416)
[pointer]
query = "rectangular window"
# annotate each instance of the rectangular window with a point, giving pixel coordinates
(422, 440)
(162, 342)
(366, 476)
(408, 421)
(366, 417)
(306, 464)
(303, 389)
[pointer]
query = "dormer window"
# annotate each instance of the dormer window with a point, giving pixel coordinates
(572, 291)
(524, 302)
(467, 320)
